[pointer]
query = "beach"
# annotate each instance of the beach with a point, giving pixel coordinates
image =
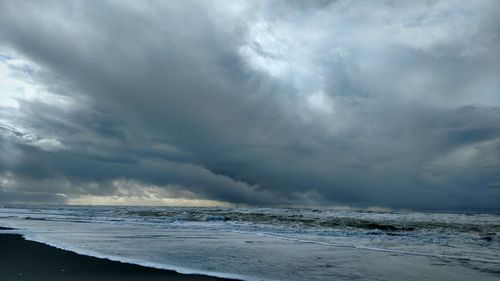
(252, 244)
(21, 259)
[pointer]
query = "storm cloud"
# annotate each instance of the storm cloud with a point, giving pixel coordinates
(319, 103)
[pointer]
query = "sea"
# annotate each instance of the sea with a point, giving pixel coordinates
(273, 243)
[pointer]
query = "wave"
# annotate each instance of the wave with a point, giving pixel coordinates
(308, 219)
(122, 259)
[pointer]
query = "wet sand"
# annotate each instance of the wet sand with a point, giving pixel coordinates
(21, 260)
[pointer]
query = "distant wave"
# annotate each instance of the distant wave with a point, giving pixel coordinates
(319, 221)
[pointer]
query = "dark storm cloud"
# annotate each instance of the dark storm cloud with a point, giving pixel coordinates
(338, 102)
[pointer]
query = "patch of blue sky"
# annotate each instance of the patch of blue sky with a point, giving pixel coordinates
(4, 57)
(23, 69)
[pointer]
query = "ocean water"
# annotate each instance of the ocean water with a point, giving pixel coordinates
(274, 243)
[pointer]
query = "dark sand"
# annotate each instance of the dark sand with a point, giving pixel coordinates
(21, 259)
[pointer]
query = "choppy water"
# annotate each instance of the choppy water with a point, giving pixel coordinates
(275, 243)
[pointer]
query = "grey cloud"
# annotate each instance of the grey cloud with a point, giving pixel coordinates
(15, 197)
(352, 103)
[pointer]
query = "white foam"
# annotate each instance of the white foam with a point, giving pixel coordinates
(178, 269)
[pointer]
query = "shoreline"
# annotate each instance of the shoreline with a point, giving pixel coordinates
(22, 259)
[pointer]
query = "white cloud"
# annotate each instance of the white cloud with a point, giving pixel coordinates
(49, 144)
(20, 86)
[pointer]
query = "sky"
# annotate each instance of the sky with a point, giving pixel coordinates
(389, 104)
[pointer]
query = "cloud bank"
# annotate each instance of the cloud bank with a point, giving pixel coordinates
(326, 103)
